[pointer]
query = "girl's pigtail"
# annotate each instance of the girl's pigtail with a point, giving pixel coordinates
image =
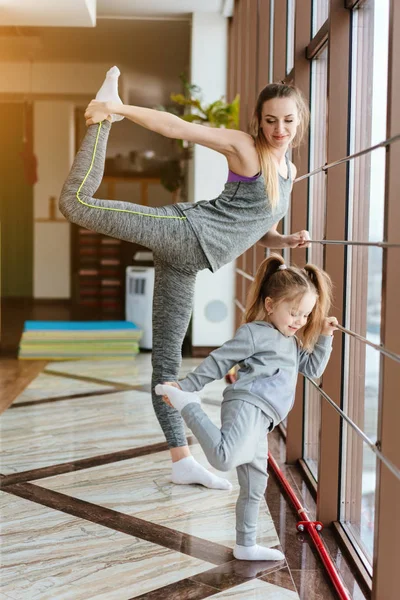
(323, 284)
(255, 309)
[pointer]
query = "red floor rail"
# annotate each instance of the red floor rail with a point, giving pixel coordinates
(312, 527)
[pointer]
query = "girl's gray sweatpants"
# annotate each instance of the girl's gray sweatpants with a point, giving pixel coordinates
(178, 256)
(242, 443)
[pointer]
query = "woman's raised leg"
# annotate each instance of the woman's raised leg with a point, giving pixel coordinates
(145, 225)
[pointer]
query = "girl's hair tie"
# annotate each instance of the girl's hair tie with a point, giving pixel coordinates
(282, 267)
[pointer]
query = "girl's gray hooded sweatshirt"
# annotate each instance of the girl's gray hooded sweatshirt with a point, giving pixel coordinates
(268, 366)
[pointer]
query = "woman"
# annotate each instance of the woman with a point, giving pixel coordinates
(186, 238)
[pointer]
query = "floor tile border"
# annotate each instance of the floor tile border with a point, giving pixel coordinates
(190, 545)
(87, 379)
(86, 463)
(70, 397)
(227, 574)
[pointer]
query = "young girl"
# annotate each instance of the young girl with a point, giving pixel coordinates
(283, 300)
(188, 237)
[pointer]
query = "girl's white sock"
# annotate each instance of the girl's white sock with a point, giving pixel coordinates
(188, 470)
(178, 398)
(256, 553)
(109, 90)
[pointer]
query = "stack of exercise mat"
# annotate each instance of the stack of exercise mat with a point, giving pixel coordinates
(69, 340)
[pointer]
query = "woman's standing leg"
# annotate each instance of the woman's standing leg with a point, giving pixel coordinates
(172, 307)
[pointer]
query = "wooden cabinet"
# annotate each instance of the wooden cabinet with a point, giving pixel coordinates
(99, 261)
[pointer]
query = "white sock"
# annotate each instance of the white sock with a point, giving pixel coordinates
(256, 553)
(109, 90)
(188, 470)
(178, 398)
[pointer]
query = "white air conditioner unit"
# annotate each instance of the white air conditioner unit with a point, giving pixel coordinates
(139, 301)
(214, 298)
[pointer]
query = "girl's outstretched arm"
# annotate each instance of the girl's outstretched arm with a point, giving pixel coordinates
(220, 361)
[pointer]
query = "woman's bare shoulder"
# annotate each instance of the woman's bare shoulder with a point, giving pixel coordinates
(245, 160)
(245, 139)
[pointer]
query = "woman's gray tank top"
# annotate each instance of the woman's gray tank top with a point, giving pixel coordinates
(230, 224)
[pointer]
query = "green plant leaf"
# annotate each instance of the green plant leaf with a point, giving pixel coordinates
(191, 118)
(180, 99)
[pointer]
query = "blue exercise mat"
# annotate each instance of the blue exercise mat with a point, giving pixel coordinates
(78, 325)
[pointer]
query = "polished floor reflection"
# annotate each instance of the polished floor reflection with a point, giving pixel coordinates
(89, 511)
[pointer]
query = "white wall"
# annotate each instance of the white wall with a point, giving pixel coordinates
(53, 147)
(208, 177)
(51, 78)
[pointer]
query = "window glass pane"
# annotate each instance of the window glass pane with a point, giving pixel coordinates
(316, 226)
(291, 7)
(320, 13)
(271, 41)
(369, 70)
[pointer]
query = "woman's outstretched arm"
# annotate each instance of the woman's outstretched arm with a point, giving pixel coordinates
(226, 141)
(273, 239)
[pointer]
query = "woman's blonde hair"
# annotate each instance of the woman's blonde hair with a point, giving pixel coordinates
(268, 166)
(290, 285)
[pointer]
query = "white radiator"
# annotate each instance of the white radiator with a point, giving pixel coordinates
(139, 300)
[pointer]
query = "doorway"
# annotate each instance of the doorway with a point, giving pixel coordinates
(16, 206)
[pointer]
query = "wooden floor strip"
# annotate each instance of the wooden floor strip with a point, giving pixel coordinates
(15, 376)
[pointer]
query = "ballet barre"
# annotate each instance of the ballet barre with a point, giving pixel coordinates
(341, 161)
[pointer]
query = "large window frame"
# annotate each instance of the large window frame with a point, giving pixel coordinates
(271, 58)
(364, 271)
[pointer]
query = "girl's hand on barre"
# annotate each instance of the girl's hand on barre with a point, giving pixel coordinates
(329, 326)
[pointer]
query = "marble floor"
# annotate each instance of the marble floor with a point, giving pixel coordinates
(89, 512)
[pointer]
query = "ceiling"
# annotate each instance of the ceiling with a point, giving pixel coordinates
(157, 8)
(109, 31)
(85, 13)
(111, 41)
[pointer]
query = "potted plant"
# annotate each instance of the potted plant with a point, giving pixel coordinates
(217, 114)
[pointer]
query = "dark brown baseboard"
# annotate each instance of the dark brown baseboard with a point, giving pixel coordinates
(202, 351)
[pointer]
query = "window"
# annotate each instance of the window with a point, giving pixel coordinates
(320, 13)
(369, 70)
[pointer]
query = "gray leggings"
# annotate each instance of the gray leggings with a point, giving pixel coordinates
(178, 256)
(242, 443)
